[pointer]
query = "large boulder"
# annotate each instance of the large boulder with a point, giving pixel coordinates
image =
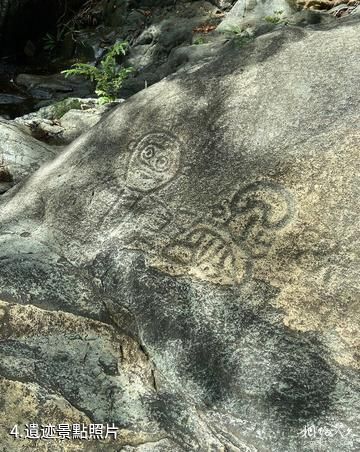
(189, 268)
(54, 87)
(20, 153)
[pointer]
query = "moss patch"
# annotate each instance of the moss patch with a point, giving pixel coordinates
(62, 107)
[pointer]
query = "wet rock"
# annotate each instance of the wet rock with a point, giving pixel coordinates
(210, 223)
(54, 87)
(8, 99)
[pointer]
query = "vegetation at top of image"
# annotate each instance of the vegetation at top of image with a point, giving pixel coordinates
(233, 30)
(198, 41)
(69, 24)
(238, 35)
(276, 18)
(50, 42)
(108, 76)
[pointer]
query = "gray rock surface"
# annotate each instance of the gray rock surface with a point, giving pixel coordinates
(21, 153)
(255, 16)
(246, 13)
(63, 122)
(189, 268)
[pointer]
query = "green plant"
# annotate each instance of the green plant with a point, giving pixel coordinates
(276, 18)
(200, 40)
(68, 25)
(50, 42)
(108, 77)
(65, 105)
(233, 31)
(53, 41)
(243, 39)
(238, 35)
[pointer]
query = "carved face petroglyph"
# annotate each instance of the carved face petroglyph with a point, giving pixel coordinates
(155, 161)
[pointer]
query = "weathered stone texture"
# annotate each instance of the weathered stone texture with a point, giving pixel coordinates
(210, 223)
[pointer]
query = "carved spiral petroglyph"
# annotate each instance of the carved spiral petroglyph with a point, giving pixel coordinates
(271, 199)
(243, 228)
(256, 213)
(155, 162)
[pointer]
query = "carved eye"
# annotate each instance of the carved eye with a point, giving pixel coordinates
(162, 163)
(148, 153)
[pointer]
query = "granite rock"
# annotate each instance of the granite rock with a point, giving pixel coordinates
(208, 226)
(20, 153)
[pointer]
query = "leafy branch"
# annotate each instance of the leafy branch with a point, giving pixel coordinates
(108, 76)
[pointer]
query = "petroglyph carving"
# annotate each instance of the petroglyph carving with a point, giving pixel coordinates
(218, 246)
(206, 254)
(154, 162)
(257, 212)
(274, 202)
(221, 246)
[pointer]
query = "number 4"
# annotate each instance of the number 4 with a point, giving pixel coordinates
(15, 431)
